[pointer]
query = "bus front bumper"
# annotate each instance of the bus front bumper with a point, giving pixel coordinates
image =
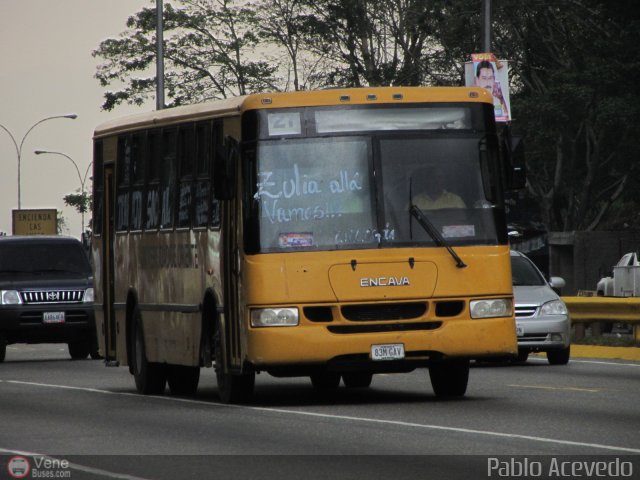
(279, 348)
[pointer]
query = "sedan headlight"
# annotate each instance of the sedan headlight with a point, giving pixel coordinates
(274, 317)
(495, 307)
(10, 297)
(555, 307)
(88, 295)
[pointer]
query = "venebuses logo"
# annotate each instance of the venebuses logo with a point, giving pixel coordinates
(18, 467)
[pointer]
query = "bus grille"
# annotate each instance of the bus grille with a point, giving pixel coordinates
(52, 296)
(384, 327)
(393, 311)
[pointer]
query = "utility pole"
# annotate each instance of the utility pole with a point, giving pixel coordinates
(159, 56)
(485, 31)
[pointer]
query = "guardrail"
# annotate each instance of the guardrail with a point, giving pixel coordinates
(605, 309)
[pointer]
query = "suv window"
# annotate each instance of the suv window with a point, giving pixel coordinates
(44, 258)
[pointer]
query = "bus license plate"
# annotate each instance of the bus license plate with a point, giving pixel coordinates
(53, 317)
(391, 351)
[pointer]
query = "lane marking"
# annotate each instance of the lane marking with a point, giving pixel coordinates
(600, 362)
(549, 387)
(73, 466)
(342, 417)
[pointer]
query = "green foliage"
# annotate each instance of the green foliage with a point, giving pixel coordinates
(574, 65)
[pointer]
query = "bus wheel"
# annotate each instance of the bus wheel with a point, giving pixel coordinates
(357, 379)
(79, 350)
(231, 388)
(325, 382)
(150, 377)
(183, 380)
(449, 378)
(522, 357)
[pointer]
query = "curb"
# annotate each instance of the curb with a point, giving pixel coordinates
(613, 353)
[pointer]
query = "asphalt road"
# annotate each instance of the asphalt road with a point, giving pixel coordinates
(89, 415)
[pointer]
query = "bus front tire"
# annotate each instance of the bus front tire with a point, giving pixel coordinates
(357, 379)
(449, 378)
(325, 382)
(231, 388)
(150, 377)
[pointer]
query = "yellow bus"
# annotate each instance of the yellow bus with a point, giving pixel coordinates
(331, 234)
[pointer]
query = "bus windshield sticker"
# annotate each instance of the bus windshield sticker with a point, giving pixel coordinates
(458, 231)
(292, 240)
(284, 123)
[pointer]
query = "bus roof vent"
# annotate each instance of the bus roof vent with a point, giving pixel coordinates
(372, 96)
(345, 98)
(397, 96)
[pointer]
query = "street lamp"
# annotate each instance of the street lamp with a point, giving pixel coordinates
(80, 177)
(71, 116)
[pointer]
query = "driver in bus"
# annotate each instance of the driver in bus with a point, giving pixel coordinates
(433, 195)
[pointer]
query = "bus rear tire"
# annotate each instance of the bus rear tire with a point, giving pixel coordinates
(449, 378)
(357, 379)
(150, 377)
(231, 388)
(182, 379)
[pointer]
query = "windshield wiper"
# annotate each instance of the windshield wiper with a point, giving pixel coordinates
(435, 234)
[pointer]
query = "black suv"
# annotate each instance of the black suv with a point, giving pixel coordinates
(46, 294)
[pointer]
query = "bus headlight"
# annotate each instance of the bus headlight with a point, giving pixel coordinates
(10, 297)
(274, 317)
(494, 307)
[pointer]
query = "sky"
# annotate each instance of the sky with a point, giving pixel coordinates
(46, 69)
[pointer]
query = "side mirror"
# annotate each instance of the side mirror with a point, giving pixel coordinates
(224, 169)
(518, 167)
(513, 163)
(557, 282)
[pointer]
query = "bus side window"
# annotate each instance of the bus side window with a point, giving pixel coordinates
(152, 198)
(167, 178)
(137, 182)
(185, 160)
(202, 165)
(216, 147)
(123, 172)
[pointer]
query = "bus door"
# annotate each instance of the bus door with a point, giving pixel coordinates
(231, 269)
(108, 238)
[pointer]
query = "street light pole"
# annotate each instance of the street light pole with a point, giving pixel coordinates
(82, 179)
(71, 116)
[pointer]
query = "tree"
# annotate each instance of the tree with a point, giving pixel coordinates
(575, 67)
(208, 52)
(82, 202)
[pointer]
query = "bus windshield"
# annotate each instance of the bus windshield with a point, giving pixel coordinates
(352, 192)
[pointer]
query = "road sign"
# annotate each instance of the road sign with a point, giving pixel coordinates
(35, 222)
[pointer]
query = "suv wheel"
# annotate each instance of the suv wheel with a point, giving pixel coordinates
(79, 350)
